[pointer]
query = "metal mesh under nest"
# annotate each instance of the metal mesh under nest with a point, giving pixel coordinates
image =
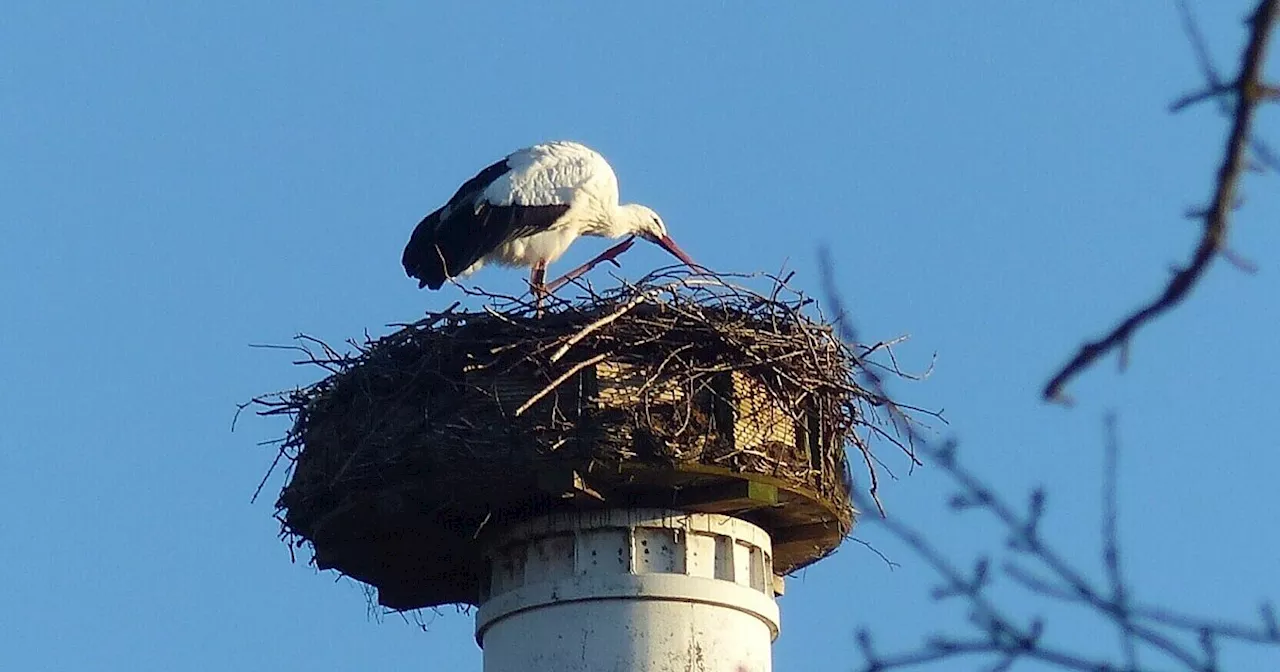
(685, 391)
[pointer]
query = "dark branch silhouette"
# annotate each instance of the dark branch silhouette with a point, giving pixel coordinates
(1036, 565)
(1243, 96)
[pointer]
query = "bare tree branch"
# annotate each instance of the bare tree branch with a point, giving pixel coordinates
(1248, 92)
(1003, 638)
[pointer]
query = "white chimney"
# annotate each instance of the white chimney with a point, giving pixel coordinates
(629, 591)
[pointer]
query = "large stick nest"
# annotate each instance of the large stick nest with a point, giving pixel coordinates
(688, 391)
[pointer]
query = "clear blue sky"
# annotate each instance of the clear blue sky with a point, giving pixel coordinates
(998, 180)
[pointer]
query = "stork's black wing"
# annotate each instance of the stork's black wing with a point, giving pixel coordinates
(422, 257)
(451, 239)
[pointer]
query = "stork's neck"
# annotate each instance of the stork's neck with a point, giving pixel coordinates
(624, 220)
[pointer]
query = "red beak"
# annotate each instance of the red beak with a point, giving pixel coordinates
(669, 245)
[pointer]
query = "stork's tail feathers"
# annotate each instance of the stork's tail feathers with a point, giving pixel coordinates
(422, 259)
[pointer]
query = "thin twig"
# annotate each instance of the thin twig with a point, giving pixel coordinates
(560, 379)
(585, 331)
(1111, 543)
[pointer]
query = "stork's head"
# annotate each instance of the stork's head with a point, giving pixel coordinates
(646, 223)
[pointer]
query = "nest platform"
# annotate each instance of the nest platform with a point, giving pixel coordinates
(683, 392)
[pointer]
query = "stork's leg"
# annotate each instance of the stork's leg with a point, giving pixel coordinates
(537, 284)
(608, 255)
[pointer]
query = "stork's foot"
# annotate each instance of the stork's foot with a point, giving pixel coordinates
(610, 255)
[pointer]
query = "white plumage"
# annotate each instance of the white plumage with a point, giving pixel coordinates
(526, 210)
(552, 173)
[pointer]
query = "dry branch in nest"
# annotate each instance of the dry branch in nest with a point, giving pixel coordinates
(685, 391)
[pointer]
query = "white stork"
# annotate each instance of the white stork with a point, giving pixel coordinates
(526, 210)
